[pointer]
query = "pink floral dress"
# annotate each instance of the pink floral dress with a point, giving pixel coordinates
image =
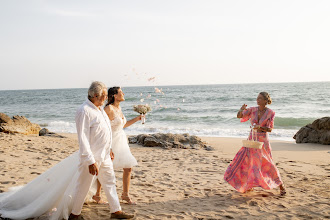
(254, 167)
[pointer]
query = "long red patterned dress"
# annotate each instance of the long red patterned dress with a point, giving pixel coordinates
(254, 167)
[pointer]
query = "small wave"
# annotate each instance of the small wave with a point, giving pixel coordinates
(292, 122)
(278, 134)
(62, 127)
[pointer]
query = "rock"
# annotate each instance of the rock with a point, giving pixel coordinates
(43, 132)
(46, 132)
(168, 141)
(325, 138)
(17, 124)
(132, 140)
(209, 148)
(151, 142)
(4, 118)
(317, 132)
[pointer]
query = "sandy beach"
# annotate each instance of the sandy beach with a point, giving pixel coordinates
(187, 183)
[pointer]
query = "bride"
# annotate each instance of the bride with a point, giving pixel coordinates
(123, 156)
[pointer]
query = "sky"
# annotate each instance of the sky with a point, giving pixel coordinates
(68, 44)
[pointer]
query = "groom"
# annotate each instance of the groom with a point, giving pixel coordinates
(95, 137)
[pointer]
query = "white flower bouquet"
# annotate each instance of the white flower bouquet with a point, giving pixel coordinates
(142, 109)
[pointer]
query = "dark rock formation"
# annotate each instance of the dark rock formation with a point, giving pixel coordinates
(17, 124)
(46, 132)
(317, 132)
(169, 140)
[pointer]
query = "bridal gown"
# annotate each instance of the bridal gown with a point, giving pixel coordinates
(49, 194)
(120, 147)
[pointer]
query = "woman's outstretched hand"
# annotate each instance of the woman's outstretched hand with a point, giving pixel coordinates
(240, 112)
(243, 107)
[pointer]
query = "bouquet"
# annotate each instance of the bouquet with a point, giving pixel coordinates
(142, 109)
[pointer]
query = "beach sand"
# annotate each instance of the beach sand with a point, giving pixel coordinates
(187, 183)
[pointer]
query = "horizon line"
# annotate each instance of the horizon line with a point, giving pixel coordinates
(211, 84)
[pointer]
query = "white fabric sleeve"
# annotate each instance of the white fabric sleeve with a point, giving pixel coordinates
(83, 131)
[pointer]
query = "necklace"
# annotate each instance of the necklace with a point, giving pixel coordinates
(261, 112)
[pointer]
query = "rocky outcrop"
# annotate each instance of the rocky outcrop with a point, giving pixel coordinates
(169, 140)
(317, 132)
(46, 132)
(17, 124)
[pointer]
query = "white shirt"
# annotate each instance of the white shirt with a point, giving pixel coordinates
(94, 133)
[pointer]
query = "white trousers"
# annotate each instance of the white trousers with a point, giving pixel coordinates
(107, 179)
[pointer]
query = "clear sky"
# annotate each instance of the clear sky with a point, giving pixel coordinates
(68, 44)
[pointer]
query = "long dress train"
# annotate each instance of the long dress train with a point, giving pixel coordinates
(49, 194)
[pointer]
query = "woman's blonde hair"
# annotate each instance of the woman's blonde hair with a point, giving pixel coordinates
(266, 97)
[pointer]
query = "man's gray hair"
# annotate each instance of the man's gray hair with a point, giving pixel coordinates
(96, 89)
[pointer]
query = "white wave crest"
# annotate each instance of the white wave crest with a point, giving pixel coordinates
(62, 127)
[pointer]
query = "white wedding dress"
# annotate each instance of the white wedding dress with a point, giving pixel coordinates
(49, 194)
(120, 147)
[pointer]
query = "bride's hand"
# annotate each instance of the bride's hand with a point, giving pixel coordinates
(139, 118)
(243, 107)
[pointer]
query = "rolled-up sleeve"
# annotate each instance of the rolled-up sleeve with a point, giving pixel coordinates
(246, 115)
(83, 131)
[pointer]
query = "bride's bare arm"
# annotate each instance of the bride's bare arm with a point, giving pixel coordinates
(130, 122)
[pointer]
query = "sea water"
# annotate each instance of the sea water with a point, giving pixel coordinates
(203, 110)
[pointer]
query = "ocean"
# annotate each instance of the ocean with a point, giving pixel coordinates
(203, 110)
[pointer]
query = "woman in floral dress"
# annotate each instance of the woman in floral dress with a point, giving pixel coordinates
(255, 167)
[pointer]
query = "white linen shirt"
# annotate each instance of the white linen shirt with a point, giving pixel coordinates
(94, 133)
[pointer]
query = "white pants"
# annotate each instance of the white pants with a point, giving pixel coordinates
(107, 179)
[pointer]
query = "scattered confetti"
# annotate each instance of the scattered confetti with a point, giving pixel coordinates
(158, 90)
(152, 79)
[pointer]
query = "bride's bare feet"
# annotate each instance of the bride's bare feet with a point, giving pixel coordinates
(99, 200)
(125, 197)
(282, 190)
